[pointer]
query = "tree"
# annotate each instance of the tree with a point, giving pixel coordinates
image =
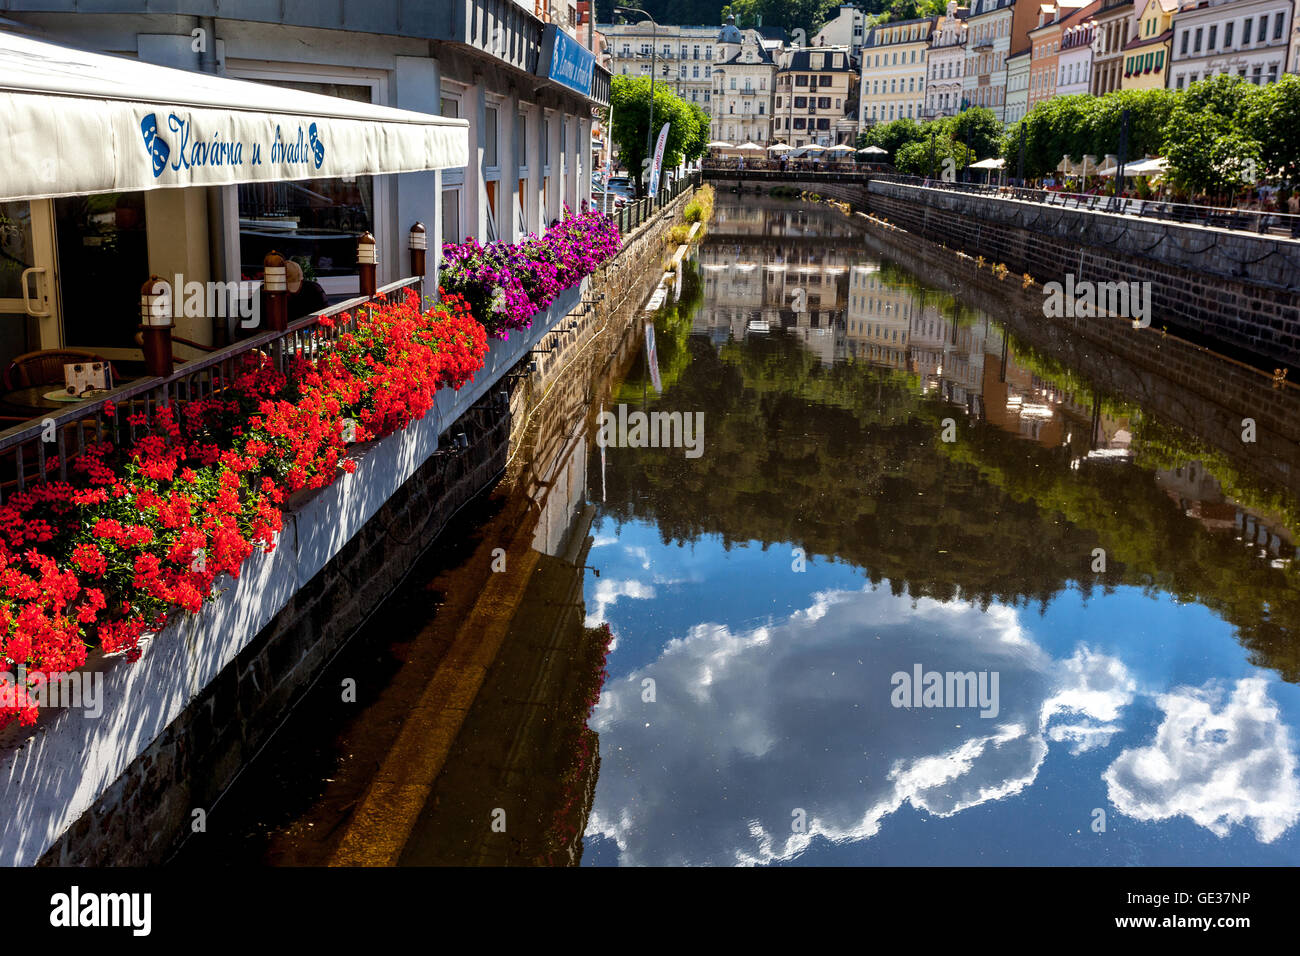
(1208, 140)
(699, 142)
(629, 98)
(892, 136)
(978, 128)
(1272, 118)
(922, 157)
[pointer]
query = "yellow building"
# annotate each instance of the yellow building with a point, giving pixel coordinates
(1146, 56)
(894, 70)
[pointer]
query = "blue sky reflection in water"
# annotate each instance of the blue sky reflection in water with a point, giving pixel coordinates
(773, 690)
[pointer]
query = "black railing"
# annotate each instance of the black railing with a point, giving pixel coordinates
(1264, 222)
(632, 215)
(25, 453)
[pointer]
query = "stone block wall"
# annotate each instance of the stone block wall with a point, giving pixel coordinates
(1239, 292)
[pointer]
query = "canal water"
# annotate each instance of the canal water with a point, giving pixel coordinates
(912, 589)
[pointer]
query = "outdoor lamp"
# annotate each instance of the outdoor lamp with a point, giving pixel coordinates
(155, 302)
(156, 326)
(367, 260)
(275, 287)
(419, 242)
(274, 277)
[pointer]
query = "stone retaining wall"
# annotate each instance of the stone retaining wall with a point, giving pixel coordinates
(1237, 291)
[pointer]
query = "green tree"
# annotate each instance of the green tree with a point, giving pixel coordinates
(698, 144)
(629, 98)
(920, 157)
(978, 128)
(1208, 140)
(893, 136)
(1272, 118)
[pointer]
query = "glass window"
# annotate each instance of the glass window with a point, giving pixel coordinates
(1227, 35)
(521, 138)
(102, 243)
(490, 137)
(315, 222)
(451, 215)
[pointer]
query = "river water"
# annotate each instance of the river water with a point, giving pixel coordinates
(917, 590)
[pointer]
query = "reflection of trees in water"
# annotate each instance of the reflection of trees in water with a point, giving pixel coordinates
(845, 462)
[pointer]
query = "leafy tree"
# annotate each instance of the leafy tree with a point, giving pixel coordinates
(1208, 141)
(629, 97)
(978, 128)
(922, 157)
(1272, 117)
(892, 136)
(698, 144)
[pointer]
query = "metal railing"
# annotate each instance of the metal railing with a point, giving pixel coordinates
(1264, 222)
(25, 456)
(801, 165)
(632, 215)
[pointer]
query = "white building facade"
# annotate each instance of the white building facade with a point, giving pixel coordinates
(1074, 65)
(1248, 38)
(988, 44)
(1017, 102)
(744, 79)
(946, 64)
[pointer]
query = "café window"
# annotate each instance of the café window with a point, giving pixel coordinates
(451, 215)
(315, 222)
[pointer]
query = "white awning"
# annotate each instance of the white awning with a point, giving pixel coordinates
(74, 123)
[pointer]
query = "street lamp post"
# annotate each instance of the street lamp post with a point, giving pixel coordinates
(654, 42)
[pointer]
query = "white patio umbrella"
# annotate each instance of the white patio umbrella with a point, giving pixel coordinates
(718, 144)
(841, 148)
(814, 148)
(1146, 167)
(748, 146)
(874, 151)
(779, 148)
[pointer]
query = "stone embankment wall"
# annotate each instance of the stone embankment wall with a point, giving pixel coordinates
(1236, 291)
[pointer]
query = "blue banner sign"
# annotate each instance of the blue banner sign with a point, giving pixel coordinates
(566, 61)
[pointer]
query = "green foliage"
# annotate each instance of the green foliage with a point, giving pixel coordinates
(629, 98)
(971, 135)
(925, 157)
(1272, 117)
(700, 207)
(977, 128)
(892, 136)
(1219, 135)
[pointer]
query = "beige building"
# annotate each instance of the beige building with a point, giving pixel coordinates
(894, 68)
(816, 97)
(684, 56)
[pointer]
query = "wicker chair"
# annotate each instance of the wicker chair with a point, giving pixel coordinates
(46, 367)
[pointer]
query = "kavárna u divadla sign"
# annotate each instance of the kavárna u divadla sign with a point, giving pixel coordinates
(187, 148)
(566, 61)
